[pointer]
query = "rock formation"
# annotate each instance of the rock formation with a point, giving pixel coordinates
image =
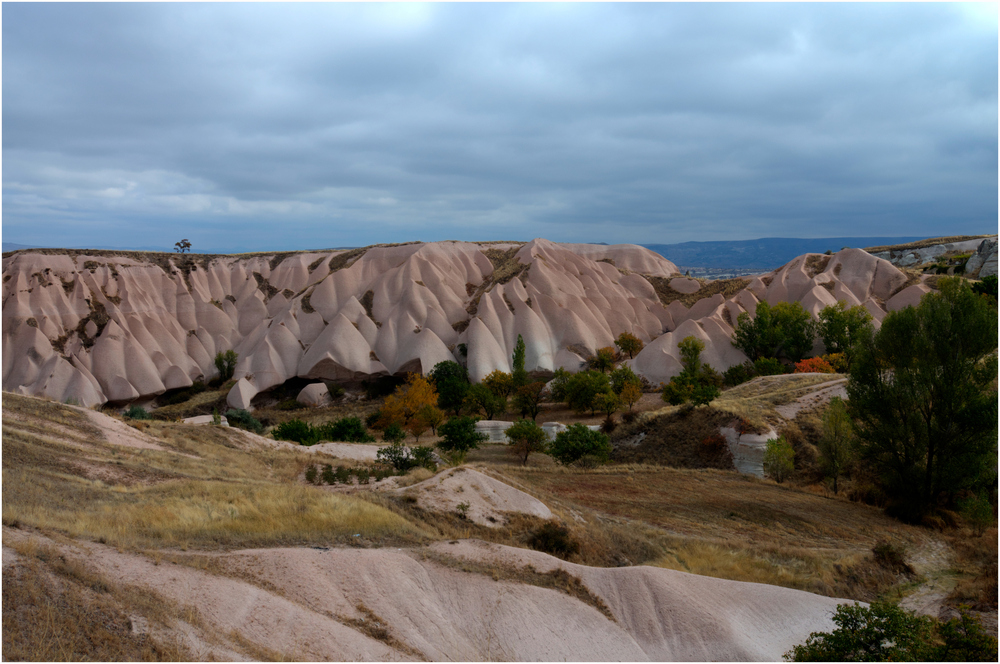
(119, 326)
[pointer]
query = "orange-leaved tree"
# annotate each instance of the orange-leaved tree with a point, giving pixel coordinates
(406, 402)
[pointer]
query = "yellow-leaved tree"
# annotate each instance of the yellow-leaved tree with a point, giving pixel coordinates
(403, 405)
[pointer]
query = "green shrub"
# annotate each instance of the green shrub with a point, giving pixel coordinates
(372, 420)
(769, 366)
(424, 456)
(978, 513)
(136, 413)
(554, 539)
(779, 459)
(289, 404)
(336, 391)
(347, 429)
(184, 395)
(226, 364)
(296, 431)
(578, 440)
(393, 434)
(242, 419)
(460, 436)
(397, 456)
(884, 632)
(328, 475)
(311, 474)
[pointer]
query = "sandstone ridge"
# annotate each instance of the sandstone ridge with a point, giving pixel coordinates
(103, 326)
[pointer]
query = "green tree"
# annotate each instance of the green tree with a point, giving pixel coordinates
(840, 328)
(519, 375)
(622, 376)
(578, 441)
(779, 459)
(796, 330)
(835, 445)
(922, 393)
(582, 389)
(451, 380)
(226, 364)
(608, 403)
(460, 436)
(690, 349)
(500, 383)
(393, 433)
(884, 632)
(603, 360)
(481, 398)
(629, 344)
(557, 386)
(525, 437)
(784, 328)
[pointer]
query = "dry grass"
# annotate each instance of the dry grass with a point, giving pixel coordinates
(754, 401)
(976, 562)
(208, 489)
(726, 287)
(722, 524)
(680, 438)
(57, 609)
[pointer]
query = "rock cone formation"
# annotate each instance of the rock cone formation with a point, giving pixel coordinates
(119, 326)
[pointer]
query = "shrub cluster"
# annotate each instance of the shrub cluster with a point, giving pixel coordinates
(242, 419)
(347, 429)
(554, 539)
(136, 413)
(342, 474)
(402, 458)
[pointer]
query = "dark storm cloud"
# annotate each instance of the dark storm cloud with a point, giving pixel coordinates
(277, 126)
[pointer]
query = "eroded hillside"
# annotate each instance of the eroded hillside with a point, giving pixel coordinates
(105, 326)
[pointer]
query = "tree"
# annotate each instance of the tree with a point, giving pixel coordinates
(814, 365)
(629, 344)
(608, 403)
(779, 459)
(796, 330)
(393, 434)
(451, 380)
(226, 364)
(578, 441)
(630, 394)
(482, 399)
(922, 392)
(557, 386)
(604, 360)
(519, 375)
(406, 401)
(500, 383)
(182, 246)
(525, 437)
(884, 632)
(432, 416)
(785, 328)
(690, 349)
(835, 445)
(460, 436)
(582, 389)
(621, 376)
(840, 327)
(529, 398)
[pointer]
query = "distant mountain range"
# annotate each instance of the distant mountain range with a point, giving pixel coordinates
(762, 254)
(740, 255)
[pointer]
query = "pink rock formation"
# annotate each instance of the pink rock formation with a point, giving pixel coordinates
(121, 326)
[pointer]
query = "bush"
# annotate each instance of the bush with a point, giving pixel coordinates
(393, 434)
(554, 539)
(769, 366)
(424, 456)
(978, 513)
(884, 632)
(311, 475)
(136, 413)
(814, 365)
(892, 557)
(578, 440)
(372, 420)
(289, 404)
(397, 456)
(346, 429)
(296, 431)
(184, 395)
(242, 419)
(779, 459)
(226, 364)
(460, 436)
(581, 390)
(738, 374)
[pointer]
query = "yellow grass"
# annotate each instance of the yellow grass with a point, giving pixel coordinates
(754, 401)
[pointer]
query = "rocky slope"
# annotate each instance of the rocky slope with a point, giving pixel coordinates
(117, 326)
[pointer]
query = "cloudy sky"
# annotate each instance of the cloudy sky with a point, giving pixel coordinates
(260, 126)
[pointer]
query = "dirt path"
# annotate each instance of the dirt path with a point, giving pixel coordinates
(933, 562)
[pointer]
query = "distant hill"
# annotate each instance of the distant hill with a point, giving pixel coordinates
(762, 254)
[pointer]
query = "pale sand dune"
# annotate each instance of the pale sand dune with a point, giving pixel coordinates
(119, 328)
